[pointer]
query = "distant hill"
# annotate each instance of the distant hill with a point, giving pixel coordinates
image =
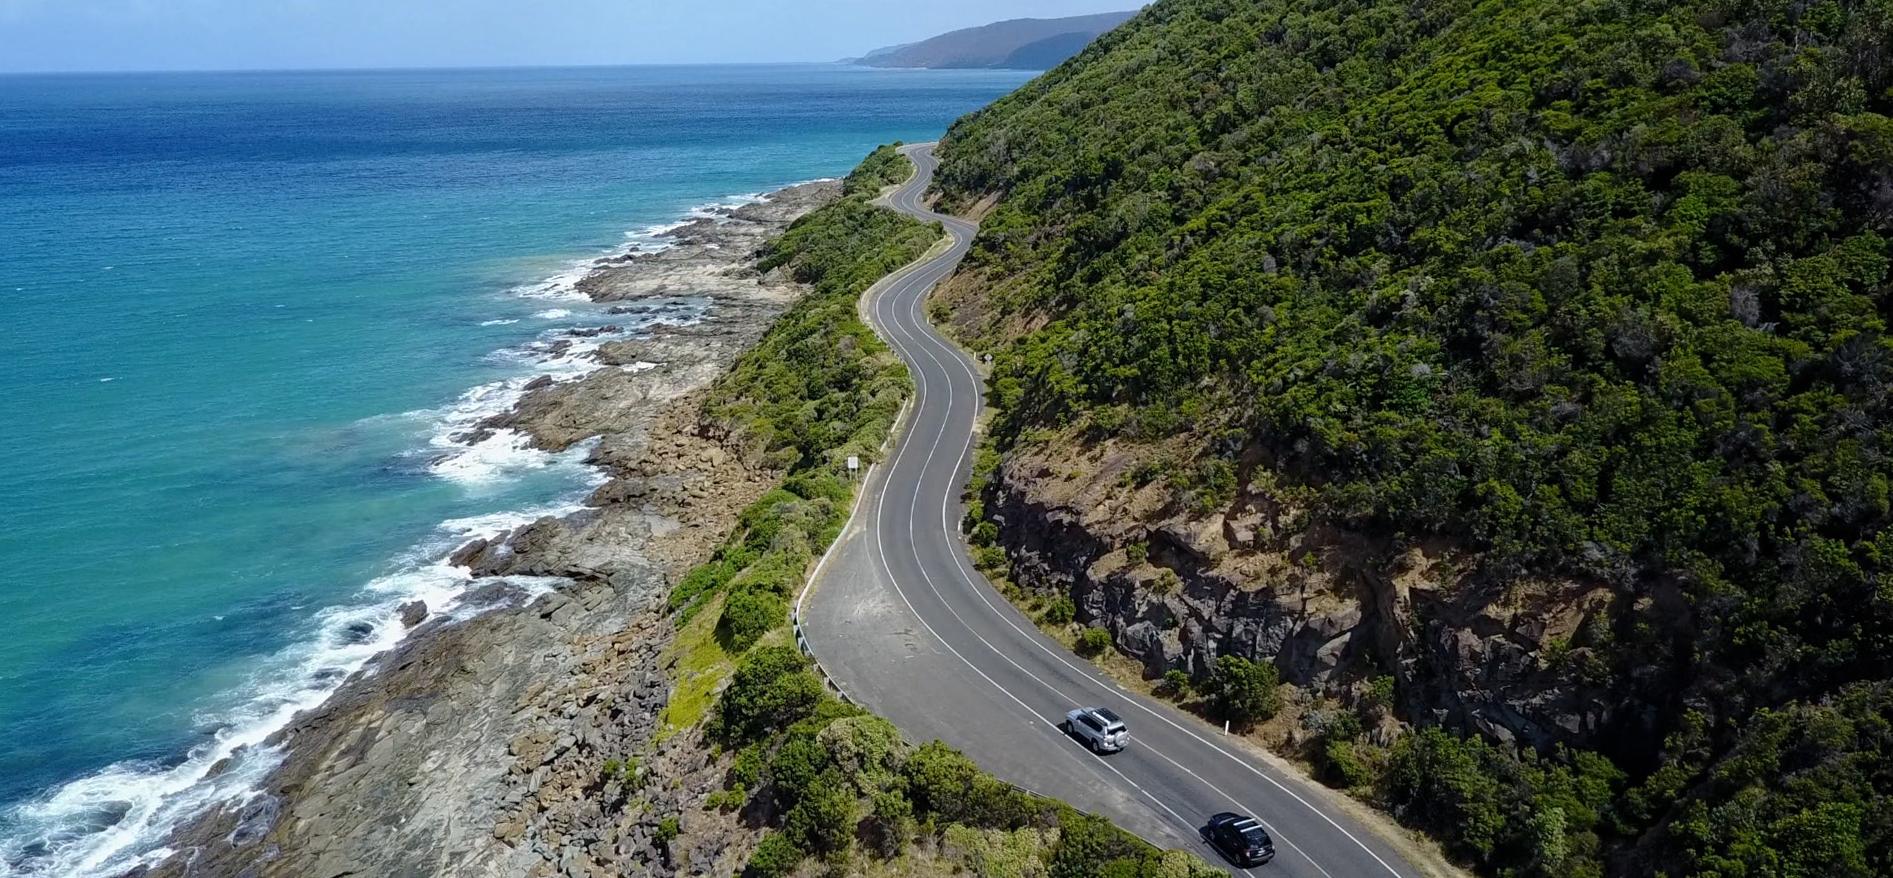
(1021, 43)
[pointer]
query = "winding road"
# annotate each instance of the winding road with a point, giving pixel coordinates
(902, 621)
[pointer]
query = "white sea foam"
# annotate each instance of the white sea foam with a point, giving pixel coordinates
(562, 286)
(114, 819)
(58, 834)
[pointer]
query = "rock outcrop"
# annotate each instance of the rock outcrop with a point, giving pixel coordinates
(524, 741)
(1330, 608)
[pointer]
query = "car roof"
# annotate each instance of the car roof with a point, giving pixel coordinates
(1104, 713)
(1249, 827)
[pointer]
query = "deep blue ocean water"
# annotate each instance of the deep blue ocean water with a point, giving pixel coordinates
(243, 314)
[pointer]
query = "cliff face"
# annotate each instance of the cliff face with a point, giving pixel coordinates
(1331, 608)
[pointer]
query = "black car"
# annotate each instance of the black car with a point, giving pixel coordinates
(1241, 839)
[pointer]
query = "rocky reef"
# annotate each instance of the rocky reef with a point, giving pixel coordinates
(525, 740)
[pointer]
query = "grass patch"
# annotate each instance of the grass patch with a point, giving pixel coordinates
(701, 666)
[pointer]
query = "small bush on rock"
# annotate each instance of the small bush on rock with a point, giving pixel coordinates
(1093, 642)
(1059, 612)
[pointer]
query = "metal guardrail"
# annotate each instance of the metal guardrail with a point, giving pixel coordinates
(801, 643)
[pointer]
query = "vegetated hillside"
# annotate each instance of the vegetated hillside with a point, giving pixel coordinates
(1527, 316)
(1020, 44)
(826, 779)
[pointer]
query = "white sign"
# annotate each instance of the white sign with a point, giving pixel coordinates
(854, 463)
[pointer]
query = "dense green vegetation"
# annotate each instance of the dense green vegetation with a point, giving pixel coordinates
(1242, 691)
(1598, 289)
(830, 777)
(818, 387)
(883, 167)
(840, 783)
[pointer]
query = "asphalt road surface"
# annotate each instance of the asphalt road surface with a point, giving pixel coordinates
(906, 626)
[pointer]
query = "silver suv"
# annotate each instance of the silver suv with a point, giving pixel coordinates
(1099, 729)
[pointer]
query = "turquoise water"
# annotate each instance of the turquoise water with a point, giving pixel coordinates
(245, 313)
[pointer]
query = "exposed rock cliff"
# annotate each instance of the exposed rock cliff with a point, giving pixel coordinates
(1331, 608)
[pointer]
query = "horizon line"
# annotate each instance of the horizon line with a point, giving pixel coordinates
(457, 68)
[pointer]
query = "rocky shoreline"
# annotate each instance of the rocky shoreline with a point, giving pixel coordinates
(484, 747)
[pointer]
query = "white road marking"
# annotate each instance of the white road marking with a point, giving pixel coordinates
(1122, 696)
(902, 284)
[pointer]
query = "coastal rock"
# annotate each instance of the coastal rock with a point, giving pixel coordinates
(473, 748)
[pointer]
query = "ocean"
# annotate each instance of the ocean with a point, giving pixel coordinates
(247, 313)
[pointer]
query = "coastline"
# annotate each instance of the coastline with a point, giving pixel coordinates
(436, 757)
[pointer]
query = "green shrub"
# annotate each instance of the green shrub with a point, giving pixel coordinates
(1059, 612)
(772, 688)
(1242, 691)
(1092, 642)
(1090, 847)
(1212, 485)
(890, 824)
(1175, 684)
(868, 750)
(796, 766)
(1137, 553)
(775, 857)
(746, 769)
(749, 614)
(1342, 766)
(727, 800)
(701, 580)
(941, 782)
(1380, 695)
(823, 821)
(1445, 785)
(625, 772)
(667, 829)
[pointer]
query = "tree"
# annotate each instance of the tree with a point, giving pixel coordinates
(771, 689)
(823, 821)
(890, 824)
(942, 781)
(775, 857)
(1445, 785)
(749, 614)
(1243, 691)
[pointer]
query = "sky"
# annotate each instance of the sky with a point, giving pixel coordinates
(101, 35)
